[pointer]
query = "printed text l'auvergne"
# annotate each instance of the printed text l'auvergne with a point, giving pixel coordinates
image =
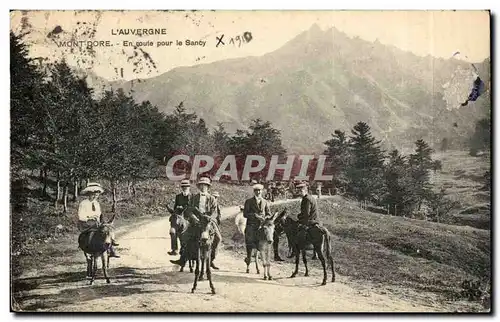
(138, 31)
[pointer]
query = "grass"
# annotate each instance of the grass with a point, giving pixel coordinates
(462, 176)
(399, 251)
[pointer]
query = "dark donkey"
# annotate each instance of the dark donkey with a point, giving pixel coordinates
(95, 243)
(180, 225)
(199, 248)
(290, 228)
(321, 241)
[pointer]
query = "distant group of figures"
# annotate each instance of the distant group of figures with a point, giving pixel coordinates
(286, 190)
(195, 221)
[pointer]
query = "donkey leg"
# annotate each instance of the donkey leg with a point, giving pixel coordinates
(209, 272)
(263, 257)
(104, 270)
(202, 271)
(196, 273)
(257, 261)
(304, 259)
(330, 260)
(297, 258)
(323, 264)
(94, 269)
(88, 274)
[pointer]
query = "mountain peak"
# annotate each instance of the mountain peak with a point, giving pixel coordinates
(315, 28)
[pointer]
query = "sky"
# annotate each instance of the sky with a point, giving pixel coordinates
(436, 33)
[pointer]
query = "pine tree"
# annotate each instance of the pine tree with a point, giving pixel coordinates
(338, 156)
(26, 88)
(420, 164)
(397, 184)
(366, 167)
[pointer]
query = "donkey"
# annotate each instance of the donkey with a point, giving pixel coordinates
(265, 236)
(180, 225)
(320, 238)
(290, 228)
(204, 237)
(95, 243)
(264, 246)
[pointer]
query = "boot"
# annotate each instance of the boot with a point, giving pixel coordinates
(112, 252)
(181, 261)
(213, 265)
(172, 252)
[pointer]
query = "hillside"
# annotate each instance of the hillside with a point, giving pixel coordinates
(321, 81)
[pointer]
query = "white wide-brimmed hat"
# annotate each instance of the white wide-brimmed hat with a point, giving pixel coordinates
(185, 183)
(257, 186)
(204, 180)
(92, 187)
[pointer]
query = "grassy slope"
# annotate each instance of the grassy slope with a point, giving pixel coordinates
(462, 176)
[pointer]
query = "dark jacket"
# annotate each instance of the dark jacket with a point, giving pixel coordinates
(251, 208)
(181, 201)
(308, 210)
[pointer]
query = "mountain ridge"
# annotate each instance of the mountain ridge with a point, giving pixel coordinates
(317, 82)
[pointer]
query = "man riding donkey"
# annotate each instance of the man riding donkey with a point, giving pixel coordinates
(204, 204)
(255, 211)
(181, 202)
(89, 213)
(308, 216)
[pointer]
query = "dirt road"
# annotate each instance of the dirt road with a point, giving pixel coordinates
(143, 279)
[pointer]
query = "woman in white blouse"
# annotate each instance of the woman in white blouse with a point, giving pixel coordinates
(89, 212)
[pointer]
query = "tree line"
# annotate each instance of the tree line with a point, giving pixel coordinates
(399, 183)
(60, 129)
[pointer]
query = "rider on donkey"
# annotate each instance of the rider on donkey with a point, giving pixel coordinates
(308, 216)
(181, 202)
(255, 210)
(204, 204)
(89, 212)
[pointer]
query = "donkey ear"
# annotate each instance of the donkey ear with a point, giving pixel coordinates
(112, 219)
(170, 210)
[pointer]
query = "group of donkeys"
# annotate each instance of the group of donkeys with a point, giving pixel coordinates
(95, 244)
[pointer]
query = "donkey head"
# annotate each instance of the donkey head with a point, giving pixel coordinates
(267, 228)
(205, 226)
(106, 230)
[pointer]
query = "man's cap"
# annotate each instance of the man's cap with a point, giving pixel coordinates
(204, 180)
